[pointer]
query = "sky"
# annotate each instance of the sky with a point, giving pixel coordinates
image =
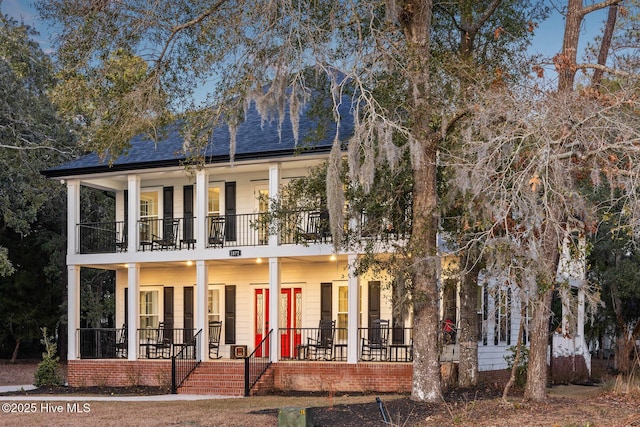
(547, 41)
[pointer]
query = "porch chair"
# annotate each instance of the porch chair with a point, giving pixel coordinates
(216, 231)
(121, 342)
(169, 234)
(164, 340)
(310, 231)
(321, 347)
(121, 240)
(215, 327)
(377, 342)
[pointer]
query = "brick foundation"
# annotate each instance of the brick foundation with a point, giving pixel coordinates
(118, 373)
(568, 369)
(227, 377)
(343, 377)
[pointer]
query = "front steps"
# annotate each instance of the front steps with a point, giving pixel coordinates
(222, 378)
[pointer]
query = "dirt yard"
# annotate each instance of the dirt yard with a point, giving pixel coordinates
(567, 406)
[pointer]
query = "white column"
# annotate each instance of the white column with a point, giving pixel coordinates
(274, 307)
(274, 189)
(202, 284)
(580, 319)
(354, 311)
(73, 311)
(73, 215)
(133, 187)
(202, 193)
(133, 311)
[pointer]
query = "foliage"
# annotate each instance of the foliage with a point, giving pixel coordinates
(48, 371)
(523, 363)
(32, 136)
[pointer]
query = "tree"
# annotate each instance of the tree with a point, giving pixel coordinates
(32, 138)
(478, 44)
(526, 157)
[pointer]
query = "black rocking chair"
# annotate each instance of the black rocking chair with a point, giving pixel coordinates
(169, 235)
(164, 340)
(321, 347)
(215, 327)
(377, 342)
(121, 342)
(216, 231)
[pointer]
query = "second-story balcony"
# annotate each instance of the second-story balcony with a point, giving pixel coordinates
(300, 227)
(228, 231)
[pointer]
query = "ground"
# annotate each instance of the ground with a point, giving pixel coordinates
(567, 406)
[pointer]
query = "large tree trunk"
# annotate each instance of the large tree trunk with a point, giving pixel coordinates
(426, 363)
(624, 346)
(536, 388)
(468, 332)
(415, 19)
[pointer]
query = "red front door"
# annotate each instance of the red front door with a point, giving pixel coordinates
(262, 321)
(290, 309)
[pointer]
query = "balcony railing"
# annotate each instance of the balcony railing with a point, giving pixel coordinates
(301, 227)
(102, 237)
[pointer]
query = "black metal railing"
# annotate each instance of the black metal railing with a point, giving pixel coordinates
(301, 227)
(298, 344)
(398, 347)
(185, 361)
(162, 342)
(102, 237)
(301, 344)
(256, 364)
(102, 343)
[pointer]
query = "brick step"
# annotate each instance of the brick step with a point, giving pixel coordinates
(216, 378)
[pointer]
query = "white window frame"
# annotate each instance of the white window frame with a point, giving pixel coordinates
(144, 314)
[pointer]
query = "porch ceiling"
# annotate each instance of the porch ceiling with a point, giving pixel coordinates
(224, 262)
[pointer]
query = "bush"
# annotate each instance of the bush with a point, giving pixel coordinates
(48, 372)
(523, 363)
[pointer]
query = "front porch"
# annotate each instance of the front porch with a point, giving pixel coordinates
(308, 344)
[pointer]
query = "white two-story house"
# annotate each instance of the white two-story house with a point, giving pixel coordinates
(203, 286)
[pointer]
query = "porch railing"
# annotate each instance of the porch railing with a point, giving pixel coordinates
(296, 227)
(295, 344)
(256, 364)
(102, 343)
(163, 342)
(102, 237)
(185, 361)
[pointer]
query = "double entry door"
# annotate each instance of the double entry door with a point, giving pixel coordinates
(290, 307)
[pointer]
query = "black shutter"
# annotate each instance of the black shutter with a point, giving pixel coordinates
(230, 314)
(188, 312)
(167, 317)
(230, 210)
(126, 306)
(167, 202)
(374, 301)
(187, 231)
(325, 301)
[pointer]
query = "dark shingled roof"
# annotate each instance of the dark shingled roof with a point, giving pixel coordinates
(255, 140)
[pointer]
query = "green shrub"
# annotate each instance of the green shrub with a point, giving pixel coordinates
(523, 363)
(48, 372)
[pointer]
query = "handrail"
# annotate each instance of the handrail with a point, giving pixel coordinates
(185, 361)
(253, 368)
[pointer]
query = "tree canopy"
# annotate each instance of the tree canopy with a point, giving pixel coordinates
(32, 136)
